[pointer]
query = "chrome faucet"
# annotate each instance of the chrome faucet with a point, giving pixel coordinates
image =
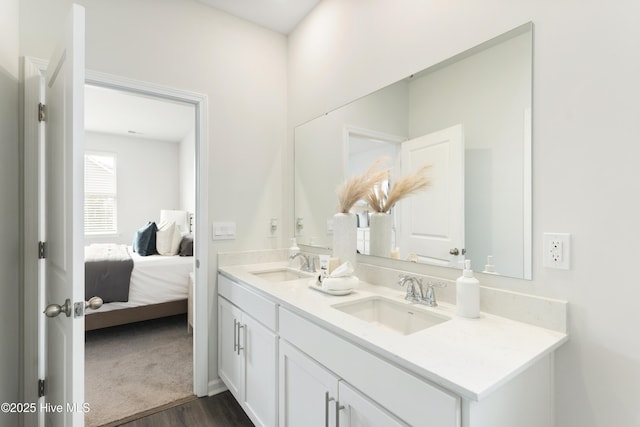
(307, 263)
(411, 287)
(420, 295)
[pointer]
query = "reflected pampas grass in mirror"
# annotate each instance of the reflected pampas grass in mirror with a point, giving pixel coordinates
(359, 186)
(402, 188)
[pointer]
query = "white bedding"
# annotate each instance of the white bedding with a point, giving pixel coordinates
(155, 279)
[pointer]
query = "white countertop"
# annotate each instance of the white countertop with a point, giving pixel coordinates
(470, 357)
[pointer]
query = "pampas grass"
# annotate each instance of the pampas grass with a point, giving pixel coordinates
(359, 186)
(403, 187)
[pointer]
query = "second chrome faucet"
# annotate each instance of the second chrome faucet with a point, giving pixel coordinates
(308, 262)
(416, 292)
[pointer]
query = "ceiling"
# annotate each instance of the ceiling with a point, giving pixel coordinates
(124, 113)
(278, 15)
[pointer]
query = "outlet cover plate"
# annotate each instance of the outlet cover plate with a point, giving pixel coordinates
(556, 250)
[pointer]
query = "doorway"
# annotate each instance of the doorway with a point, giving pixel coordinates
(139, 168)
(200, 219)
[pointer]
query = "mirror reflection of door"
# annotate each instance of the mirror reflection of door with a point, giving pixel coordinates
(432, 222)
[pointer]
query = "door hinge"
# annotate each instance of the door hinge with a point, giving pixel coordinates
(42, 112)
(42, 250)
(41, 388)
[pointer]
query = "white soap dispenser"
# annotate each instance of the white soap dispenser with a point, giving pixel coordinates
(293, 249)
(467, 293)
(489, 268)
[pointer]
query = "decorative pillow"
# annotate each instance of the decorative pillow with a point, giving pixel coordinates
(175, 242)
(168, 238)
(186, 246)
(144, 242)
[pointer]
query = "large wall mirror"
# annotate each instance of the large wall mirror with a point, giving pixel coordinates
(479, 204)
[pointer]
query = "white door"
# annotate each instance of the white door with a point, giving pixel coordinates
(432, 222)
(359, 411)
(308, 392)
(229, 347)
(260, 376)
(64, 266)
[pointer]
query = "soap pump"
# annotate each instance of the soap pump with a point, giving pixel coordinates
(293, 250)
(489, 268)
(467, 293)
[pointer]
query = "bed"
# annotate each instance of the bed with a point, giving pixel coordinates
(158, 288)
(137, 285)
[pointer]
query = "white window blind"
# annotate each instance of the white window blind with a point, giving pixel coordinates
(100, 214)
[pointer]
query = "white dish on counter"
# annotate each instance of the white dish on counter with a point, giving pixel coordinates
(340, 292)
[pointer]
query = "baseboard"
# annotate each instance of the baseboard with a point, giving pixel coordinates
(216, 386)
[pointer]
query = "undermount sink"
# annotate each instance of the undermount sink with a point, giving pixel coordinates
(281, 275)
(392, 315)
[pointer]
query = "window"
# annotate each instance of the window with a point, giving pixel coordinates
(100, 214)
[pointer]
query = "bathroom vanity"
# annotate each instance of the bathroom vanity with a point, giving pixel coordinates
(293, 356)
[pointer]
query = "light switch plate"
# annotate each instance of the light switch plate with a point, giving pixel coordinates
(223, 230)
(556, 250)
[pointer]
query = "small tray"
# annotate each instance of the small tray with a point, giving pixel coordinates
(330, 292)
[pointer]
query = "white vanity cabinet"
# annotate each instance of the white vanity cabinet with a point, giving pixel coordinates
(289, 362)
(247, 350)
(389, 392)
(311, 395)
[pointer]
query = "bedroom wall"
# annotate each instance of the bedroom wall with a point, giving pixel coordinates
(187, 173)
(240, 66)
(585, 155)
(148, 180)
(10, 213)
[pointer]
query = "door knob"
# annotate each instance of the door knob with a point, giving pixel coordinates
(94, 303)
(456, 251)
(54, 310)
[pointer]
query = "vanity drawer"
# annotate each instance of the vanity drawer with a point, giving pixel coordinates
(260, 308)
(410, 398)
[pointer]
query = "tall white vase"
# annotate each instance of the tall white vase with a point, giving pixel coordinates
(344, 237)
(380, 234)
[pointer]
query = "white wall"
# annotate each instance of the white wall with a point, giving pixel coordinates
(585, 155)
(148, 180)
(240, 67)
(10, 212)
(187, 172)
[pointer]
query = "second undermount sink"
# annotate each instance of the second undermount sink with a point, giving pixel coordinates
(281, 275)
(396, 316)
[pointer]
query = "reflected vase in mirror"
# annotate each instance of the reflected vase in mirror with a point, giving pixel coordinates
(380, 234)
(344, 237)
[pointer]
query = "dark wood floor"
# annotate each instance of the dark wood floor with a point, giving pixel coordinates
(220, 410)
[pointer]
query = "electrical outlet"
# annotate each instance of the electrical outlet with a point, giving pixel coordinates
(556, 252)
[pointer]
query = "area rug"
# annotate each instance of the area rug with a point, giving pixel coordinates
(134, 368)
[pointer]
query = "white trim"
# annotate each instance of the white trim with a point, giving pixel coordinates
(216, 386)
(33, 232)
(527, 238)
(349, 130)
(201, 249)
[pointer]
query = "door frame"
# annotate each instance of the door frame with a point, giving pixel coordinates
(201, 248)
(33, 229)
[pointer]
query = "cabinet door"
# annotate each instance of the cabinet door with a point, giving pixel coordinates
(229, 359)
(307, 390)
(261, 367)
(359, 411)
